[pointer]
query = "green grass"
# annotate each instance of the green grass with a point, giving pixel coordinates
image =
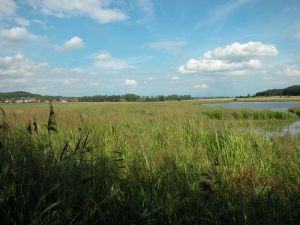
(246, 114)
(147, 163)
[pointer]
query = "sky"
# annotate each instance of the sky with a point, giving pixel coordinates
(149, 47)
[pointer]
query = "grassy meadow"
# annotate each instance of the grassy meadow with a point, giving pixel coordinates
(146, 163)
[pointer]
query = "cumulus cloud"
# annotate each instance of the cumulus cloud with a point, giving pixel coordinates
(200, 86)
(16, 37)
(204, 65)
(104, 60)
(73, 44)
(19, 66)
(96, 9)
(129, 82)
(167, 45)
(15, 34)
(238, 52)
(236, 58)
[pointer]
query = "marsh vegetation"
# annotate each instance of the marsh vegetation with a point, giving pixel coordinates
(146, 163)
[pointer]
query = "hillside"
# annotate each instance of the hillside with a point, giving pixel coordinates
(289, 91)
(17, 95)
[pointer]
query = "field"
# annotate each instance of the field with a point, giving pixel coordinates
(146, 163)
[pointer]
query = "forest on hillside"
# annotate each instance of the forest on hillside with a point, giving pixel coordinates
(289, 91)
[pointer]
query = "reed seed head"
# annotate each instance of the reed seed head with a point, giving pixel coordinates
(52, 126)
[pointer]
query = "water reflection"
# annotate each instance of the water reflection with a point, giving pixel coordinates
(292, 129)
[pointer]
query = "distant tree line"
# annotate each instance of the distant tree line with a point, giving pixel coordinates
(96, 98)
(289, 91)
(134, 98)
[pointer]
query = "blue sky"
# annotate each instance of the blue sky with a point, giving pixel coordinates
(149, 47)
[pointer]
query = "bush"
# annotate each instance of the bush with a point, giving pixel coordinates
(295, 110)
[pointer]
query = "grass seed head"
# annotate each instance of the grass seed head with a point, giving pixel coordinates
(4, 123)
(52, 126)
(35, 126)
(29, 127)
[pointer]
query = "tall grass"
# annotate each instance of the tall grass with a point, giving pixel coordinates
(250, 114)
(144, 164)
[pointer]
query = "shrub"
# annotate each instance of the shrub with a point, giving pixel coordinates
(295, 110)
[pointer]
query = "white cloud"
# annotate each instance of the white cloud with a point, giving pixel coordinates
(130, 82)
(8, 11)
(15, 34)
(175, 78)
(10, 84)
(42, 23)
(236, 58)
(69, 81)
(15, 37)
(291, 72)
(22, 21)
(73, 44)
(95, 9)
(17, 72)
(204, 65)
(167, 45)
(104, 60)
(104, 56)
(8, 8)
(238, 52)
(239, 73)
(57, 70)
(19, 66)
(200, 86)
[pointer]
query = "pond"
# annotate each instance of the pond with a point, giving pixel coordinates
(292, 129)
(258, 105)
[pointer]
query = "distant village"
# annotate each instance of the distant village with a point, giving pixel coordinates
(37, 100)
